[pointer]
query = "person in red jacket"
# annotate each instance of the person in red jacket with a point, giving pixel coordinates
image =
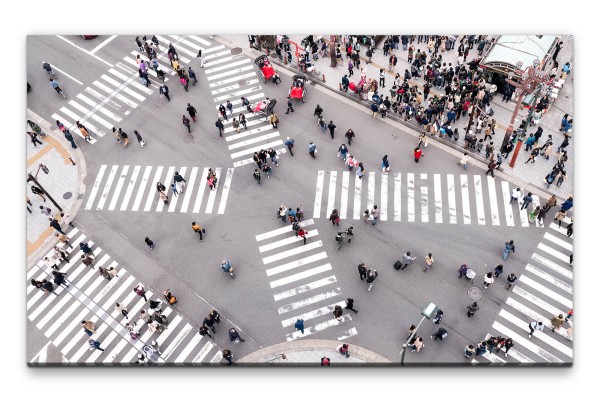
(302, 233)
(418, 154)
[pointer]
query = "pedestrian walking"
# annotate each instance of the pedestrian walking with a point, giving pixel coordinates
(299, 325)
(234, 336)
(362, 271)
(290, 145)
(60, 253)
(527, 199)
(385, 165)
(350, 305)
(223, 112)
(371, 276)
(343, 349)
(418, 153)
(469, 350)
(337, 312)
(507, 344)
(256, 175)
(46, 211)
(417, 344)
(186, 121)
(508, 246)
(491, 167)
(488, 279)
(174, 190)
(228, 355)
(34, 138)
(462, 270)
(88, 327)
(312, 150)
(289, 105)
(192, 111)
(149, 242)
(141, 291)
(242, 120)
(560, 216)
(88, 261)
(59, 278)
(69, 138)
(179, 182)
(54, 224)
(375, 213)
(481, 348)
(533, 326)
(122, 309)
(542, 214)
(51, 263)
(38, 192)
(332, 128)
(302, 233)
(273, 119)
(440, 334)
(203, 331)
(516, 195)
(350, 135)
(139, 138)
(471, 309)
(406, 260)
(498, 270)
(197, 229)
(95, 345)
(164, 90)
(124, 137)
(325, 361)
(104, 273)
(557, 322)
(171, 299)
(570, 228)
(510, 280)
(209, 322)
(428, 261)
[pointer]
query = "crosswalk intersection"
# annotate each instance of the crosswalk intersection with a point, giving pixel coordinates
(134, 191)
(421, 197)
(91, 297)
(544, 290)
(119, 91)
(291, 271)
(230, 77)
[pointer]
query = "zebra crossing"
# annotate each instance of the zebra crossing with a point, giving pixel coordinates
(118, 91)
(544, 290)
(91, 297)
(230, 77)
(422, 197)
(106, 195)
(292, 280)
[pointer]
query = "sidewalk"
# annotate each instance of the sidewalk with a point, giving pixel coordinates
(533, 174)
(64, 183)
(310, 352)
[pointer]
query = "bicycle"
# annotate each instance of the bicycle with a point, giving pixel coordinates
(54, 85)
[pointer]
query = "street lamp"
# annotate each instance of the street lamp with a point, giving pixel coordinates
(31, 177)
(427, 313)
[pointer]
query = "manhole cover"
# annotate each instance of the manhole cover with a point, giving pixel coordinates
(474, 293)
(67, 195)
(188, 138)
(236, 50)
(88, 179)
(242, 82)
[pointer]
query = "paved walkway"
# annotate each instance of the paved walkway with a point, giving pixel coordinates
(531, 173)
(64, 182)
(310, 352)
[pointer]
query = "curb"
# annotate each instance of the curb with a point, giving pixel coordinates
(272, 354)
(77, 156)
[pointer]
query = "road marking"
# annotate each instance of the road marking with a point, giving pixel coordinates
(120, 97)
(296, 263)
(549, 278)
(201, 190)
(129, 81)
(83, 50)
(230, 65)
(141, 189)
(536, 301)
(101, 109)
(222, 99)
(553, 266)
(344, 199)
(174, 201)
(479, 200)
(493, 201)
(561, 229)
(558, 241)
(312, 314)
(86, 112)
(282, 230)
(95, 188)
(42, 355)
(308, 301)
(286, 241)
(195, 340)
(424, 205)
(304, 288)
(540, 288)
(113, 201)
(292, 252)
(342, 335)
(229, 88)
(175, 342)
(397, 196)
(331, 195)
(101, 45)
(123, 87)
(451, 198)
(225, 192)
(205, 43)
(232, 72)
(526, 343)
(410, 182)
(111, 177)
(256, 148)
(64, 73)
(508, 210)
(237, 78)
(166, 181)
(371, 190)
(553, 252)
(318, 327)
(249, 160)
(437, 191)
(464, 185)
(357, 197)
(523, 215)
(251, 132)
(300, 276)
(531, 314)
(384, 198)
(256, 139)
(151, 197)
(203, 352)
(318, 194)
(189, 189)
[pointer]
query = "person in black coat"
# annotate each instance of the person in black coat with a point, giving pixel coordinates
(59, 278)
(54, 224)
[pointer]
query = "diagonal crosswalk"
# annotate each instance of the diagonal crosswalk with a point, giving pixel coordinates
(112, 97)
(119, 189)
(92, 297)
(230, 77)
(304, 282)
(544, 290)
(424, 198)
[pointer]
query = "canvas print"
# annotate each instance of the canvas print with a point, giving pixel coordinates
(299, 200)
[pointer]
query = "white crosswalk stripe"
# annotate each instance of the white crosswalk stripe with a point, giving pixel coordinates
(127, 184)
(425, 198)
(544, 290)
(305, 285)
(90, 297)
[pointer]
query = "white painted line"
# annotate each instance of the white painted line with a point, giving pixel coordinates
(42, 355)
(318, 327)
(133, 82)
(121, 86)
(304, 288)
(549, 278)
(151, 191)
(115, 295)
(296, 263)
(331, 195)
(533, 315)
(183, 59)
(230, 80)
(103, 122)
(466, 206)
(552, 266)
(536, 301)
(371, 190)
(201, 189)
(204, 42)
(106, 343)
(114, 351)
(221, 60)
(113, 201)
(238, 101)
(508, 210)
(212, 194)
(300, 276)
(451, 198)
(356, 213)
(120, 97)
(479, 200)
(538, 334)
(553, 252)
(344, 198)
(236, 86)
(228, 66)
(175, 199)
(95, 188)
(410, 184)
(217, 55)
(176, 341)
(52, 312)
(535, 203)
(397, 197)
(170, 329)
(182, 40)
(549, 293)
(234, 137)
(230, 95)
(256, 148)
(424, 205)
(342, 335)
(72, 126)
(189, 189)
(292, 252)
(282, 230)
(103, 110)
(111, 177)
(65, 74)
(203, 352)
(558, 241)
(523, 214)
(561, 230)
(383, 209)
(249, 160)
(437, 191)
(522, 341)
(167, 182)
(312, 314)
(83, 50)
(69, 326)
(141, 189)
(101, 45)
(195, 340)
(493, 201)
(308, 301)
(319, 194)
(493, 358)
(129, 191)
(232, 72)
(286, 241)
(247, 142)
